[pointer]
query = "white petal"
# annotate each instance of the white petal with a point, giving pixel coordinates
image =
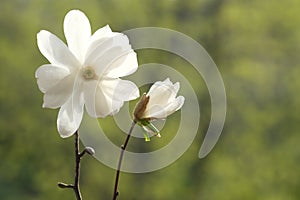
(107, 97)
(55, 50)
(175, 87)
(97, 50)
(49, 75)
(58, 94)
(161, 93)
(77, 31)
(97, 39)
(106, 52)
(102, 33)
(167, 81)
(70, 115)
(102, 44)
(105, 31)
(161, 112)
(175, 105)
(120, 90)
(95, 101)
(123, 66)
(102, 63)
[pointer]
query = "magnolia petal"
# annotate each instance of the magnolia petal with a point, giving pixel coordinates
(106, 52)
(70, 115)
(123, 66)
(102, 33)
(159, 112)
(103, 62)
(58, 94)
(175, 105)
(49, 75)
(95, 101)
(164, 84)
(97, 50)
(107, 97)
(120, 90)
(77, 30)
(98, 39)
(55, 50)
(102, 44)
(175, 88)
(161, 93)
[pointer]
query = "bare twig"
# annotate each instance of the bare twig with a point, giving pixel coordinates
(77, 168)
(78, 156)
(123, 147)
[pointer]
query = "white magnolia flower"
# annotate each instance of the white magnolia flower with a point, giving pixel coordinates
(86, 72)
(158, 103)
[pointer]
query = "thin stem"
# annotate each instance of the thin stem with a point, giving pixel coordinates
(77, 168)
(78, 156)
(123, 147)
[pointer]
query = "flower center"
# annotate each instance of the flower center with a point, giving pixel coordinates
(88, 73)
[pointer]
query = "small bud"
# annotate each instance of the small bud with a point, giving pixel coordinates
(141, 107)
(89, 150)
(64, 185)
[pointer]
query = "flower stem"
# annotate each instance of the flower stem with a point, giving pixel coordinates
(123, 147)
(78, 156)
(77, 167)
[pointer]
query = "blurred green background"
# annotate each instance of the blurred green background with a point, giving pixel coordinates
(256, 46)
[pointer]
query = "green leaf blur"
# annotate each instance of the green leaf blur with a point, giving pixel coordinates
(256, 46)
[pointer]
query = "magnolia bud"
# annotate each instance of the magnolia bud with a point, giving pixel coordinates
(89, 150)
(141, 107)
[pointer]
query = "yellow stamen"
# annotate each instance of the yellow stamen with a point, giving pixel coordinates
(88, 73)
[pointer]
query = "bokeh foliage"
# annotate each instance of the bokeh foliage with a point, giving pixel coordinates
(254, 43)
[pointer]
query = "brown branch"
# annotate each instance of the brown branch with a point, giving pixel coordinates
(123, 147)
(78, 156)
(77, 168)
